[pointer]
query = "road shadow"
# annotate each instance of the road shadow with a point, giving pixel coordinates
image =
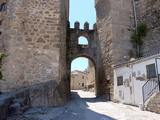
(75, 95)
(90, 114)
(76, 109)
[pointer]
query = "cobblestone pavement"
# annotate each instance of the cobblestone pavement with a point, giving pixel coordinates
(84, 106)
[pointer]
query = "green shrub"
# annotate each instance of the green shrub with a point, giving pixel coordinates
(137, 37)
(142, 29)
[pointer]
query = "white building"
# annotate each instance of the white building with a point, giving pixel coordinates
(136, 81)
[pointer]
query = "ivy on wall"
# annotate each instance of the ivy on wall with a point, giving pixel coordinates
(137, 38)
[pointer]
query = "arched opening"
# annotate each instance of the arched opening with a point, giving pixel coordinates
(83, 41)
(83, 77)
(3, 7)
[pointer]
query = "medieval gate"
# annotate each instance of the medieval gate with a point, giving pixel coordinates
(89, 51)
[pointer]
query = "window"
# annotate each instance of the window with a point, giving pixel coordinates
(82, 41)
(120, 81)
(82, 77)
(151, 71)
(3, 7)
(82, 84)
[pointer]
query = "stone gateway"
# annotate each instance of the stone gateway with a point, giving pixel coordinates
(39, 45)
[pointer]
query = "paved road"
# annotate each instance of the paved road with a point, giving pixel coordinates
(84, 106)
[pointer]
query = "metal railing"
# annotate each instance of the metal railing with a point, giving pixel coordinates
(149, 88)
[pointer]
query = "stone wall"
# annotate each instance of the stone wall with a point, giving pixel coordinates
(90, 76)
(148, 12)
(43, 94)
(78, 80)
(2, 26)
(154, 104)
(35, 44)
(114, 20)
(33, 37)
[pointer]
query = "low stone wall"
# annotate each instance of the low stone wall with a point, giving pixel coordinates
(4, 107)
(44, 94)
(154, 104)
(13, 102)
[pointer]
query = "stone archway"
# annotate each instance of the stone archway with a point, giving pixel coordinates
(86, 76)
(90, 51)
(95, 68)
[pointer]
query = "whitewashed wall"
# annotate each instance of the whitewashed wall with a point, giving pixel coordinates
(135, 74)
(122, 93)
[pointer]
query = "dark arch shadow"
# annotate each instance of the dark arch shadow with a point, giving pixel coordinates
(76, 109)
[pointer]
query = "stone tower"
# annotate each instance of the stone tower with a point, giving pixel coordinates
(34, 41)
(114, 21)
(35, 34)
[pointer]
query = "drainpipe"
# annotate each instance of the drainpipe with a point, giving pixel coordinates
(132, 82)
(136, 24)
(135, 14)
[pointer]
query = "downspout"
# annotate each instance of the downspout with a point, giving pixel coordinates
(132, 81)
(136, 24)
(135, 14)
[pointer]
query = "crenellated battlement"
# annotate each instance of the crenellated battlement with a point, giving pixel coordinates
(86, 26)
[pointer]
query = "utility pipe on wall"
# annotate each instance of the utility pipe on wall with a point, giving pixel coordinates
(135, 14)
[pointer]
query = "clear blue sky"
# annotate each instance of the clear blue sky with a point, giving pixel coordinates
(82, 11)
(82, 41)
(80, 63)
